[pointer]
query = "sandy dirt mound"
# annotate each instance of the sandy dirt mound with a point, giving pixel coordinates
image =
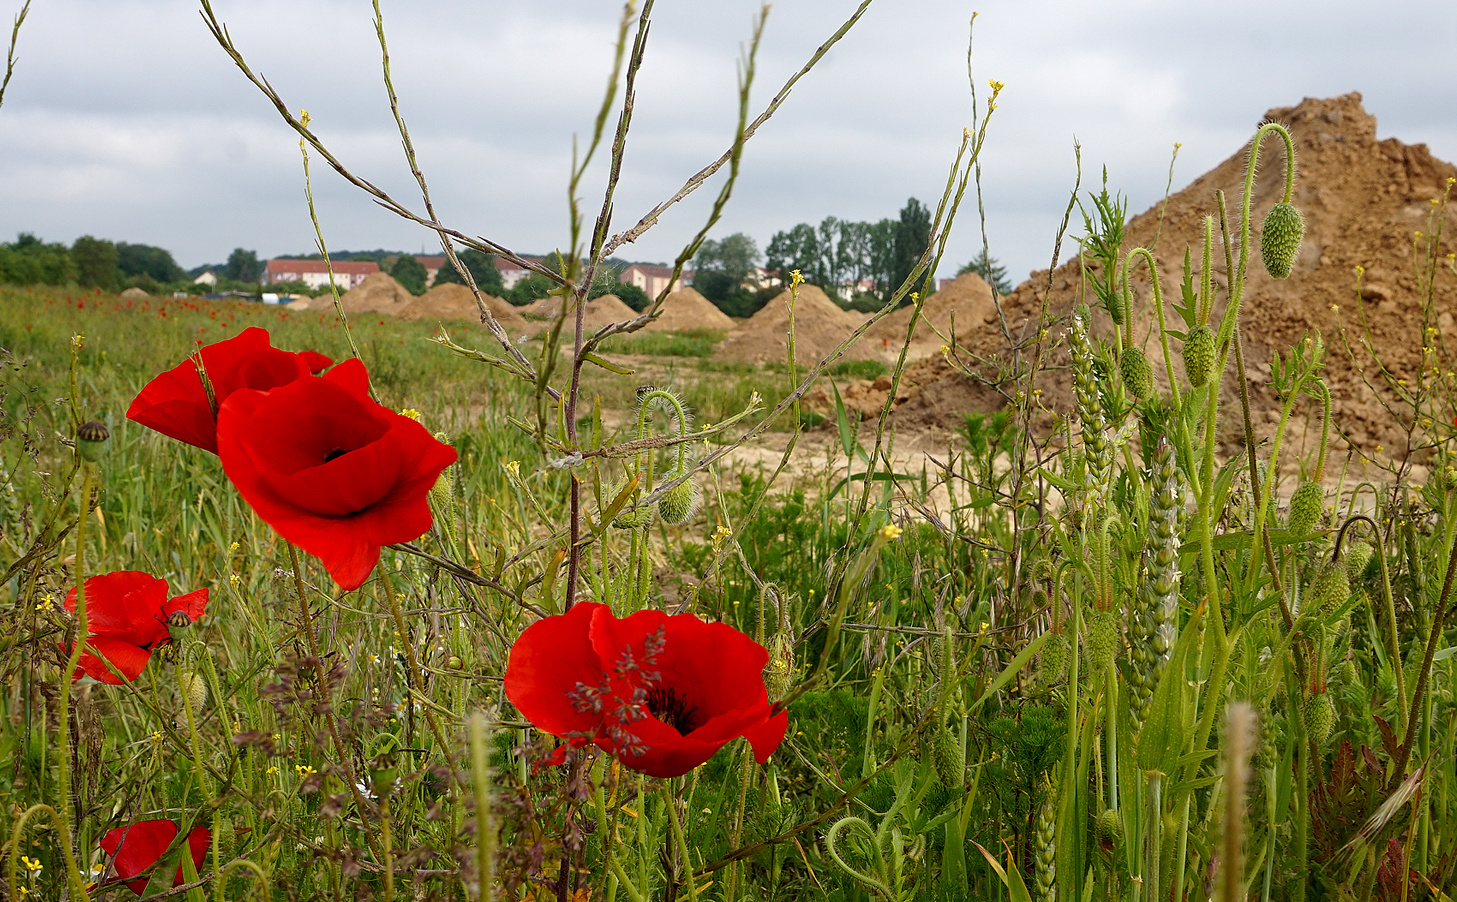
(819, 326)
(455, 302)
(966, 303)
(685, 310)
(134, 293)
(601, 311)
(1362, 200)
(378, 293)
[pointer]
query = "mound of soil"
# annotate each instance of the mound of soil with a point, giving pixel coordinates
(965, 306)
(601, 311)
(1362, 199)
(378, 293)
(455, 302)
(819, 326)
(685, 310)
(134, 292)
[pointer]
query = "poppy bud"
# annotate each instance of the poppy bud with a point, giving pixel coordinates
(1137, 373)
(1320, 717)
(454, 662)
(680, 501)
(1101, 642)
(1108, 830)
(194, 688)
(780, 671)
(1357, 556)
(1199, 355)
(1330, 588)
(91, 440)
(948, 757)
(1117, 304)
(1305, 508)
(1052, 663)
(1280, 239)
(632, 516)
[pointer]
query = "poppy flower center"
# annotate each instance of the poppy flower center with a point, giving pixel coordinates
(336, 453)
(672, 709)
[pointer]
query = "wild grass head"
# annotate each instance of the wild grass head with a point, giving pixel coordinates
(317, 604)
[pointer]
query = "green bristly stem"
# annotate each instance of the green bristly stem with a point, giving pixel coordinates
(1158, 306)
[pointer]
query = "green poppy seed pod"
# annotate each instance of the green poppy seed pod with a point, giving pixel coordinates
(948, 757)
(454, 662)
(194, 687)
(680, 501)
(1329, 590)
(1137, 373)
(1101, 642)
(1307, 503)
(1320, 717)
(1357, 556)
(1052, 662)
(1199, 355)
(91, 440)
(1280, 239)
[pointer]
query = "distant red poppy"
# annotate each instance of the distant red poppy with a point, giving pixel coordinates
(126, 619)
(176, 405)
(334, 472)
(662, 693)
(137, 847)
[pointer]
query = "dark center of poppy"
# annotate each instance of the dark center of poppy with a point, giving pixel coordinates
(337, 452)
(672, 709)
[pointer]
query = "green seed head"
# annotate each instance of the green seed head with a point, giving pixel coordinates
(1199, 355)
(1306, 506)
(948, 757)
(1320, 717)
(681, 500)
(1102, 641)
(1137, 373)
(1280, 239)
(91, 440)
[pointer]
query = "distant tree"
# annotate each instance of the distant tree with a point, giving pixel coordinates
(30, 261)
(531, 287)
(482, 268)
(988, 268)
(632, 296)
(156, 263)
(95, 262)
(410, 273)
(722, 266)
(798, 248)
(243, 266)
(912, 235)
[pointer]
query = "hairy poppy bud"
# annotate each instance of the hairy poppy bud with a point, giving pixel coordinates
(1305, 508)
(1137, 373)
(1117, 304)
(1280, 239)
(1199, 355)
(1052, 663)
(91, 440)
(1357, 556)
(1101, 642)
(948, 757)
(194, 689)
(1330, 589)
(1108, 830)
(780, 669)
(1320, 717)
(632, 516)
(680, 501)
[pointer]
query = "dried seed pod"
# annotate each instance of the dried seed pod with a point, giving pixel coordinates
(1199, 355)
(1280, 239)
(1306, 505)
(1137, 373)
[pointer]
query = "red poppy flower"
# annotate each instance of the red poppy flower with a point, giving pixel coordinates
(126, 618)
(335, 473)
(176, 405)
(137, 847)
(662, 693)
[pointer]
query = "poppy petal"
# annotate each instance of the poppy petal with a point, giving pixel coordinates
(136, 848)
(547, 664)
(125, 604)
(193, 604)
(130, 659)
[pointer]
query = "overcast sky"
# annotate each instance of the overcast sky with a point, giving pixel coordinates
(125, 120)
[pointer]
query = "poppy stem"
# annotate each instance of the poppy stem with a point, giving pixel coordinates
(413, 676)
(306, 623)
(68, 676)
(679, 838)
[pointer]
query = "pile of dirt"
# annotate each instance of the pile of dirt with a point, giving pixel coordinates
(378, 293)
(819, 326)
(601, 311)
(134, 292)
(1362, 199)
(685, 310)
(963, 307)
(455, 302)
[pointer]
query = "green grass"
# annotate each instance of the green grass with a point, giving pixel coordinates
(665, 344)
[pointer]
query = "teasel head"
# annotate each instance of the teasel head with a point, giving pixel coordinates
(1151, 623)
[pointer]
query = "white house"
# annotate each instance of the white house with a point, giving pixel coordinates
(651, 279)
(207, 278)
(313, 273)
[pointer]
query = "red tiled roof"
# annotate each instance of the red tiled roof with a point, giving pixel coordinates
(341, 267)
